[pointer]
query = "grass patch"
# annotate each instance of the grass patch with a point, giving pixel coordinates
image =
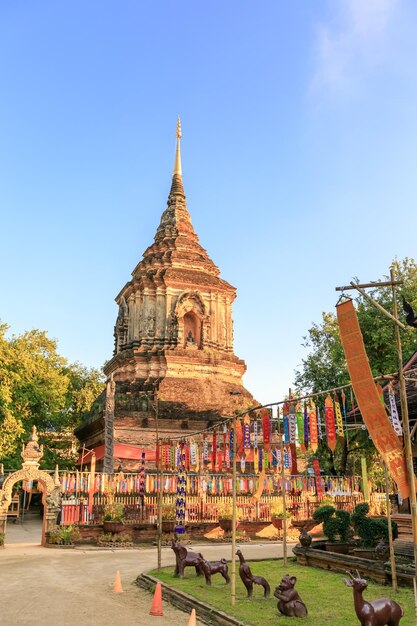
(329, 601)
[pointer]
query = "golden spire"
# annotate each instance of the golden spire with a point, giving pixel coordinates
(177, 165)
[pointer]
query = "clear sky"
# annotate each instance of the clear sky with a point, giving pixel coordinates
(299, 158)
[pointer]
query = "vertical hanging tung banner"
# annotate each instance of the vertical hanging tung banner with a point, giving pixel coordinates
(312, 416)
(330, 424)
(373, 413)
(181, 494)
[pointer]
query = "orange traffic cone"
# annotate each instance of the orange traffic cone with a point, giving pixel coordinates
(156, 608)
(192, 621)
(117, 584)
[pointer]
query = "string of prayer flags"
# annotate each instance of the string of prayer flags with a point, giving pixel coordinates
(312, 416)
(266, 428)
(300, 425)
(395, 420)
(255, 433)
(319, 480)
(180, 503)
(330, 424)
(142, 474)
(339, 418)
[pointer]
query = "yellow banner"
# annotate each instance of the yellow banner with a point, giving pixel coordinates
(373, 413)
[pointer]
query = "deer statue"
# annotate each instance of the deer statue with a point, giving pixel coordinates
(381, 612)
(248, 578)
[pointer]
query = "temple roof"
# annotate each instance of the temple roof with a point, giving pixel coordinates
(176, 243)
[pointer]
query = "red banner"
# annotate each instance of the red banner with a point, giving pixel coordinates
(330, 424)
(369, 402)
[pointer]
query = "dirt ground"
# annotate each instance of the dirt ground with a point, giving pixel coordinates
(50, 587)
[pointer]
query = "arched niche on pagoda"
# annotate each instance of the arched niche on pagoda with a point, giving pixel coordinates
(191, 315)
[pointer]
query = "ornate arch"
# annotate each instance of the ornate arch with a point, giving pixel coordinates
(30, 471)
(190, 305)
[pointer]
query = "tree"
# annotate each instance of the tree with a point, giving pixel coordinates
(325, 367)
(39, 387)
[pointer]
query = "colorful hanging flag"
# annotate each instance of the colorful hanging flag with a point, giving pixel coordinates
(293, 423)
(339, 419)
(312, 416)
(330, 424)
(214, 452)
(239, 438)
(266, 428)
(306, 429)
(373, 413)
(300, 425)
(285, 419)
(395, 420)
(246, 434)
(319, 480)
(92, 482)
(319, 423)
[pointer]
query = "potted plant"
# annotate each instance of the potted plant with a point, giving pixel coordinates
(168, 518)
(336, 527)
(64, 535)
(276, 511)
(370, 531)
(113, 517)
(225, 510)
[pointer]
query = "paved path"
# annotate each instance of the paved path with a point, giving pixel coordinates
(46, 587)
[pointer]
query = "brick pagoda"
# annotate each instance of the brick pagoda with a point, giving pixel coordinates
(173, 349)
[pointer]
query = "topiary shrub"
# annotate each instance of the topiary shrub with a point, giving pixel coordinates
(336, 523)
(370, 531)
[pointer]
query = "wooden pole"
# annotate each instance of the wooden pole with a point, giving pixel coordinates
(390, 537)
(284, 498)
(407, 439)
(233, 585)
(159, 482)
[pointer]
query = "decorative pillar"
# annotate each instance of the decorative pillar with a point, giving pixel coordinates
(108, 465)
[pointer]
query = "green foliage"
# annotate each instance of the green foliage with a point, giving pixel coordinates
(114, 512)
(64, 535)
(370, 531)
(39, 387)
(2, 536)
(325, 367)
(336, 523)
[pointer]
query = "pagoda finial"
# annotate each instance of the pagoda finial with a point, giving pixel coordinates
(177, 165)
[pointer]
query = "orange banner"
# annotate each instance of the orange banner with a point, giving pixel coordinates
(373, 413)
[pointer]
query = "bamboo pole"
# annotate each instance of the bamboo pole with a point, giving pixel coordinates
(407, 438)
(233, 585)
(159, 482)
(284, 499)
(390, 537)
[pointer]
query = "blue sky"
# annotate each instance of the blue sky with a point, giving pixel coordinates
(299, 158)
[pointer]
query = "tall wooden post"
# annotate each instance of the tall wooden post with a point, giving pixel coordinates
(233, 585)
(284, 497)
(159, 482)
(407, 436)
(390, 537)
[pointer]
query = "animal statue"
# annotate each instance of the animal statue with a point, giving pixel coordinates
(249, 579)
(289, 602)
(305, 539)
(186, 558)
(215, 567)
(381, 612)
